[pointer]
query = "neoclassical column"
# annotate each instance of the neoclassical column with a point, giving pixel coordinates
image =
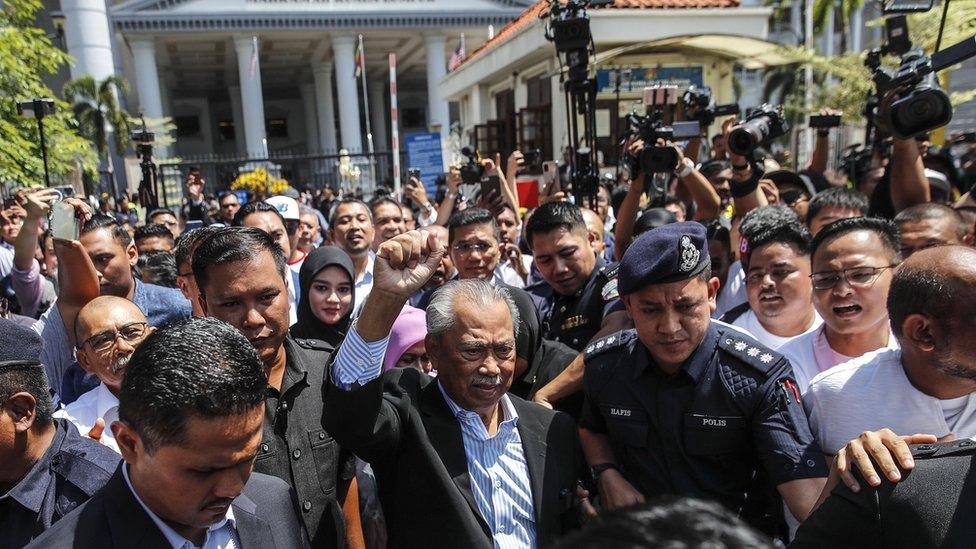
(343, 49)
(88, 38)
(310, 118)
(322, 74)
(252, 97)
(237, 113)
(437, 111)
(377, 89)
(147, 77)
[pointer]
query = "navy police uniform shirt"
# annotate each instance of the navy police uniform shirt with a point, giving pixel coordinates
(573, 320)
(69, 473)
(728, 426)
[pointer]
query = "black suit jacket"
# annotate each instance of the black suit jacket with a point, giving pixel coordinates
(266, 516)
(401, 424)
(931, 507)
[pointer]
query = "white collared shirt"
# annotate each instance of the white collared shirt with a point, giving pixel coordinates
(509, 275)
(220, 535)
(365, 283)
(96, 403)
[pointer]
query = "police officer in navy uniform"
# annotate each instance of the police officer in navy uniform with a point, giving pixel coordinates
(47, 468)
(687, 406)
(578, 290)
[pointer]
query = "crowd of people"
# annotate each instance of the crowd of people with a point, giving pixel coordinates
(734, 354)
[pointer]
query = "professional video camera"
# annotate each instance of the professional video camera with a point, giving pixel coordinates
(761, 125)
(148, 187)
(654, 158)
(472, 170)
(699, 105)
(925, 106)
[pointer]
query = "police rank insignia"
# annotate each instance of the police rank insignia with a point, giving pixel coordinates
(609, 290)
(689, 255)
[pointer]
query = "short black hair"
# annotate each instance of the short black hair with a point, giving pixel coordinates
(28, 378)
(379, 201)
(886, 231)
(199, 367)
(348, 200)
(652, 218)
(929, 292)
(471, 216)
(668, 521)
(153, 230)
(159, 211)
(775, 224)
(254, 207)
(101, 221)
(838, 197)
(554, 215)
(716, 231)
(932, 210)
(158, 267)
(221, 196)
(188, 242)
(233, 245)
(617, 198)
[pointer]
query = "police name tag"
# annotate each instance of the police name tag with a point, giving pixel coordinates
(701, 421)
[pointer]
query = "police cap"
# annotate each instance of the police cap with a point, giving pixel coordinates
(18, 345)
(673, 252)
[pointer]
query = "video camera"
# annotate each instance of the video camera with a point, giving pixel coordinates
(569, 31)
(925, 106)
(471, 171)
(761, 125)
(700, 102)
(657, 124)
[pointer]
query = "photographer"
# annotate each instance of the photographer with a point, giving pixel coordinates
(195, 208)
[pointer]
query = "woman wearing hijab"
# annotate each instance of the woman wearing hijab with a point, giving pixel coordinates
(406, 347)
(538, 361)
(328, 293)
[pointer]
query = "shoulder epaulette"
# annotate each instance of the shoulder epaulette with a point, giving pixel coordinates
(314, 344)
(734, 313)
(613, 341)
(749, 351)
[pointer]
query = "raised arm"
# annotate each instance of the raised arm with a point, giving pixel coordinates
(446, 207)
(26, 280)
(77, 277)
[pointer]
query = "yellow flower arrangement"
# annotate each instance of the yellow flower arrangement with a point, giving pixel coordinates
(260, 180)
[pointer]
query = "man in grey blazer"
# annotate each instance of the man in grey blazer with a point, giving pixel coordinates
(191, 410)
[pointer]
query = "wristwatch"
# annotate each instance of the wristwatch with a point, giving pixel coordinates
(600, 468)
(687, 167)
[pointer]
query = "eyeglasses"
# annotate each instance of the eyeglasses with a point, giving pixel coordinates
(855, 276)
(465, 248)
(132, 332)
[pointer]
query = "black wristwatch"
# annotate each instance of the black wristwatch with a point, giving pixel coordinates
(600, 468)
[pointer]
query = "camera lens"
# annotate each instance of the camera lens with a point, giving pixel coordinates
(921, 110)
(658, 159)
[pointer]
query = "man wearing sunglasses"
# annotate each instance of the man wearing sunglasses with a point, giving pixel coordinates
(108, 330)
(852, 261)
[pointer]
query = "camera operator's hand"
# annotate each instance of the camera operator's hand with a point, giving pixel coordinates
(516, 163)
(493, 202)
(882, 117)
(194, 187)
(736, 159)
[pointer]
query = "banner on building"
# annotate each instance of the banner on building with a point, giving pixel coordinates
(641, 78)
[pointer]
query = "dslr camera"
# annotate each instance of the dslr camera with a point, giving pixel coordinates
(472, 170)
(654, 158)
(761, 126)
(700, 102)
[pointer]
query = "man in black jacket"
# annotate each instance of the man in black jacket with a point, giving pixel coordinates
(459, 462)
(191, 411)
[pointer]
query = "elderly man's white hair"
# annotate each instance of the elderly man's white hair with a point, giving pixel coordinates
(440, 311)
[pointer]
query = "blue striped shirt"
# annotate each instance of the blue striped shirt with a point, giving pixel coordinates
(497, 466)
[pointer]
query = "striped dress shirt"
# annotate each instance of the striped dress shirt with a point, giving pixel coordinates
(497, 466)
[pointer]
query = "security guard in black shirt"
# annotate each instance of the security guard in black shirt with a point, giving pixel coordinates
(683, 405)
(579, 292)
(47, 468)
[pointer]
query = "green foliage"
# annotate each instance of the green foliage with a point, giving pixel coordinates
(163, 128)
(26, 56)
(97, 110)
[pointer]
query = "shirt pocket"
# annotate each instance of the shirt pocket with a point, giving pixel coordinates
(325, 453)
(265, 452)
(715, 435)
(626, 424)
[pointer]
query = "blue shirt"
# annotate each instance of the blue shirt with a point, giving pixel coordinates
(160, 304)
(71, 470)
(497, 465)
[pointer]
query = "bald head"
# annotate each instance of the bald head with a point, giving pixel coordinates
(594, 226)
(938, 283)
(101, 308)
(107, 331)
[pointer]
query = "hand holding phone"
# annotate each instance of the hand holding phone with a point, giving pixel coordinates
(65, 224)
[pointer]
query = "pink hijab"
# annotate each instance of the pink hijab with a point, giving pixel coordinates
(409, 328)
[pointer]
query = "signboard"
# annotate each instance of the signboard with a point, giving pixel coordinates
(424, 153)
(641, 78)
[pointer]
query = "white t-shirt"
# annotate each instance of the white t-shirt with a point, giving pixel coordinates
(750, 323)
(872, 392)
(811, 353)
(733, 293)
(97, 403)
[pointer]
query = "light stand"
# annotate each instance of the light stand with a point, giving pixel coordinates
(37, 109)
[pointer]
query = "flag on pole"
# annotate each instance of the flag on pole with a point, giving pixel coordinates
(254, 58)
(359, 58)
(457, 56)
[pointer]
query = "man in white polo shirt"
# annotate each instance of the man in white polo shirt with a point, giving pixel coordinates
(929, 385)
(852, 263)
(108, 331)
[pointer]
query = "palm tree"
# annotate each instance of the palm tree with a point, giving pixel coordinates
(100, 118)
